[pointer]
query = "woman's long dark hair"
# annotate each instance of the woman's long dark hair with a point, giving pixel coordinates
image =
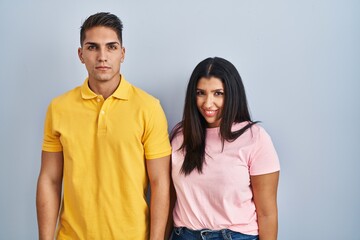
(193, 125)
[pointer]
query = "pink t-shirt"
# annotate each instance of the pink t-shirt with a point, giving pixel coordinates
(221, 196)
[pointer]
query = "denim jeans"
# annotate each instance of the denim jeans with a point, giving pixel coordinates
(182, 233)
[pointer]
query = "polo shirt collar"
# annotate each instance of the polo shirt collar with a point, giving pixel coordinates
(122, 91)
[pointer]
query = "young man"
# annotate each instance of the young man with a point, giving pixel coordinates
(104, 142)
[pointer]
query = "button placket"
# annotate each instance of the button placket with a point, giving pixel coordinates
(102, 119)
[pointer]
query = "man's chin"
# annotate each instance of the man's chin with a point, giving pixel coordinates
(103, 78)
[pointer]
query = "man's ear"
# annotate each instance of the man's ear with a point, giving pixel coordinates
(123, 54)
(80, 55)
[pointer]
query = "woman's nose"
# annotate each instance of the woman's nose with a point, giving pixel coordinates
(208, 102)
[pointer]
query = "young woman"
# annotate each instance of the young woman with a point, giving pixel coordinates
(224, 166)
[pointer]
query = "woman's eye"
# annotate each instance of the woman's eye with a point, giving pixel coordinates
(219, 93)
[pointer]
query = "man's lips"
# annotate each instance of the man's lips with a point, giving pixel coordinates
(102, 68)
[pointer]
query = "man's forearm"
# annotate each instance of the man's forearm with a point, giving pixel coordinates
(159, 211)
(170, 222)
(48, 199)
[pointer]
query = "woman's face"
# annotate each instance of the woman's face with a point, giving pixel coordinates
(210, 100)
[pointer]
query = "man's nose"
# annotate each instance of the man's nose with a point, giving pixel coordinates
(102, 55)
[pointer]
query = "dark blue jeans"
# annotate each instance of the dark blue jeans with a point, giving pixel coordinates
(182, 233)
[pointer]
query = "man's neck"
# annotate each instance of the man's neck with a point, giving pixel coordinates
(105, 88)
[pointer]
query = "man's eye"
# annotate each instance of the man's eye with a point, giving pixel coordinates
(112, 47)
(91, 47)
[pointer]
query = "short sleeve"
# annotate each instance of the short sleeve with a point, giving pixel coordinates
(51, 141)
(264, 158)
(156, 139)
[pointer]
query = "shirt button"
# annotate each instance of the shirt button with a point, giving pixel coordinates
(98, 99)
(102, 112)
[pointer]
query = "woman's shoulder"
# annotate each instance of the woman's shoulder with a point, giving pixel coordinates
(176, 135)
(255, 132)
(255, 126)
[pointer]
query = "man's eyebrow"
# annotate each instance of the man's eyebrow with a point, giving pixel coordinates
(112, 43)
(96, 44)
(91, 43)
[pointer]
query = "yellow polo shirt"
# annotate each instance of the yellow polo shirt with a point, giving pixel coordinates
(105, 144)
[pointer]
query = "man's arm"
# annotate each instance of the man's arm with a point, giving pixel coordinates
(264, 189)
(159, 177)
(170, 222)
(48, 195)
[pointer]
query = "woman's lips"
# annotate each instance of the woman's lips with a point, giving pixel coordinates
(210, 113)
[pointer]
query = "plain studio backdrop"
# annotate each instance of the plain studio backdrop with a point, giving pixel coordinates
(299, 60)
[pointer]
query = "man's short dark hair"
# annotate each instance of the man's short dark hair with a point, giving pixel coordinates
(103, 19)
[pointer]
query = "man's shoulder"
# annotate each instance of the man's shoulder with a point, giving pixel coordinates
(143, 96)
(67, 97)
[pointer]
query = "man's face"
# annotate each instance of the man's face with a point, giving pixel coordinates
(102, 54)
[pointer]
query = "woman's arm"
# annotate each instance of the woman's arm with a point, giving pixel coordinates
(264, 189)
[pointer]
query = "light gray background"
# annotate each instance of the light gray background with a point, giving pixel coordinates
(299, 61)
